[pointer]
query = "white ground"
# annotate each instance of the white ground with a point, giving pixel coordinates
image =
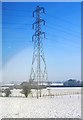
(59, 106)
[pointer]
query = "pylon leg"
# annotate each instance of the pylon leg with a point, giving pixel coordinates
(37, 94)
(40, 92)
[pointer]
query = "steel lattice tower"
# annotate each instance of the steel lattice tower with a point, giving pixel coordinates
(38, 70)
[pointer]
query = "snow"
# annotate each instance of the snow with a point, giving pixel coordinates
(53, 91)
(59, 106)
(57, 84)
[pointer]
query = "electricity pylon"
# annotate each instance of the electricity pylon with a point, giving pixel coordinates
(38, 70)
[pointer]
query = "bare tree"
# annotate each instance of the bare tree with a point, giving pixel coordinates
(7, 92)
(26, 90)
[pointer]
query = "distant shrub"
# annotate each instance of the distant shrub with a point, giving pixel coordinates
(26, 90)
(7, 92)
(72, 83)
(82, 83)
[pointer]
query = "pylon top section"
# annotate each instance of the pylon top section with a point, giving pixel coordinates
(37, 24)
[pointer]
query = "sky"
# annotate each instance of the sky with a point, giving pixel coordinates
(62, 45)
(0, 42)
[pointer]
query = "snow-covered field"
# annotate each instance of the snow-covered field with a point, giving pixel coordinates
(66, 103)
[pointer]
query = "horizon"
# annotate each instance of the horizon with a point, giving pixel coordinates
(18, 82)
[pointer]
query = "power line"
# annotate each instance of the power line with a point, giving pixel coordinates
(15, 23)
(60, 26)
(13, 28)
(51, 24)
(8, 9)
(28, 42)
(51, 35)
(61, 37)
(60, 43)
(55, 17)
(66, 32)
(64, 38)
(16, 15)
(47, 26)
